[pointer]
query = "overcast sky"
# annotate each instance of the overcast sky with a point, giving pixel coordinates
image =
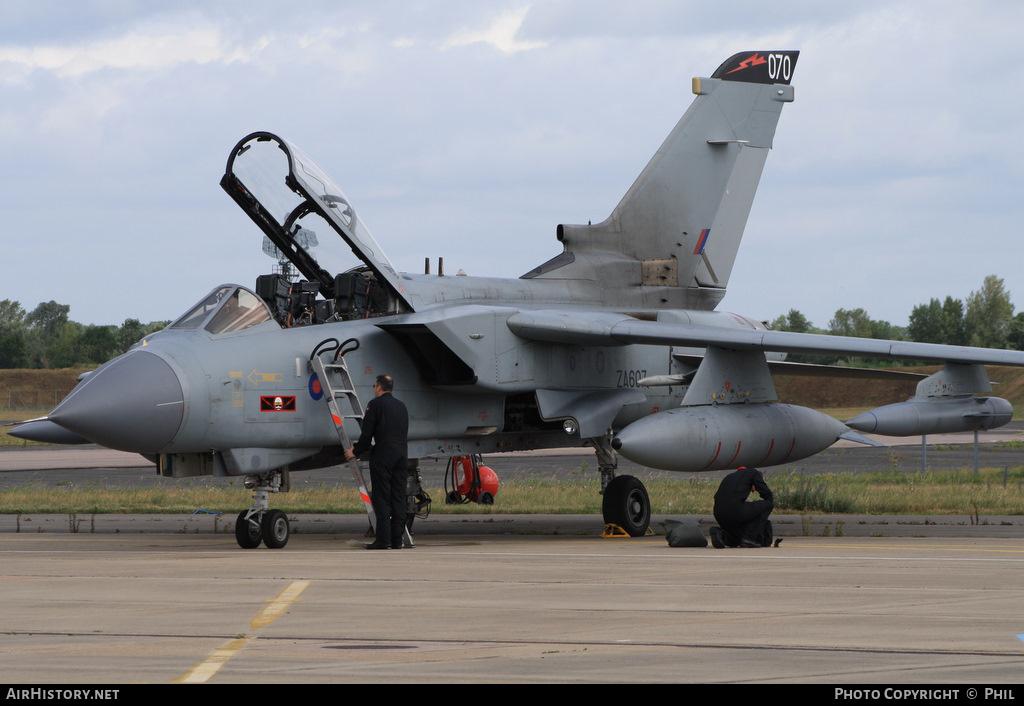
(469, 130)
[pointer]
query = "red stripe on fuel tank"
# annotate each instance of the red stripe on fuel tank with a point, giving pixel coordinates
(738, 445)
(770, 447)
(715, 457)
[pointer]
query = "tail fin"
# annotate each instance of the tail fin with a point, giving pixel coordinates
(684, 216)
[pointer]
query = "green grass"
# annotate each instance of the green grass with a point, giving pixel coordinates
(932, 493)
(991, 492)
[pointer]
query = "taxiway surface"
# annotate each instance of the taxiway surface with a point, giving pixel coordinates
(160, 608)
(158, 599)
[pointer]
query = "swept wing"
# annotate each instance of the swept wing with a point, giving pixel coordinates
(608, 329)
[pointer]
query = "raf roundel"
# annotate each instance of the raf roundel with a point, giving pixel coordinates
(315, 390)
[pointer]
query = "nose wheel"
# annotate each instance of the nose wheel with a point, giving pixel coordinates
(248, 532)
(259, 524)
(275, 529)
(270, 528)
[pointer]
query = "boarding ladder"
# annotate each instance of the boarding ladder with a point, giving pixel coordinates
(336, 383)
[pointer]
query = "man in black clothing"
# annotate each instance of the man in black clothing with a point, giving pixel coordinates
(742, 523)
(386, 424)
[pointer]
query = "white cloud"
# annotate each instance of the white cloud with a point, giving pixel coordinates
(132, 51)
(501, 34)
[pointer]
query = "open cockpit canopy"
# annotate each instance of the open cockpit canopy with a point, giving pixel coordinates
(300, 210)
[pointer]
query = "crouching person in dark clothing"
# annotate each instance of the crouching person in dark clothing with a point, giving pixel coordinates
(742, 523)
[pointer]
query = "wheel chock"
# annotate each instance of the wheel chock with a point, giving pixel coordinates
(613, 531)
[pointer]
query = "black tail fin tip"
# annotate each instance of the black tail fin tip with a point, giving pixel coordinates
(759, 67)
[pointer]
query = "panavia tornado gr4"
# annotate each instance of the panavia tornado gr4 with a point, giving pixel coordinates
(614, 343)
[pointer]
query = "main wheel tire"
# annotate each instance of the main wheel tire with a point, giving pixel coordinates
(627, 505)
(247, 532)
(275, 529)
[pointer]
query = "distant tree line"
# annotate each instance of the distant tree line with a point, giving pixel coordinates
(46, 338)
(985, 320)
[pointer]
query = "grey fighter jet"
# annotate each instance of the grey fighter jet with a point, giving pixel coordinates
(614, 343)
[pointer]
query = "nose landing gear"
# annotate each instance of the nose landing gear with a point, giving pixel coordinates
(260, 524)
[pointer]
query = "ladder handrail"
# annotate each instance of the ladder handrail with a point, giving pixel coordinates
(340, 347)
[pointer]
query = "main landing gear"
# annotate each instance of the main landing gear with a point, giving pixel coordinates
(259, 523)
(626, 505)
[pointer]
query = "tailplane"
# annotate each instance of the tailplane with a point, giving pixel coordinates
(684, 216)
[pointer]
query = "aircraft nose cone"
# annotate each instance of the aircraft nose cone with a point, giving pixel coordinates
(133, 403)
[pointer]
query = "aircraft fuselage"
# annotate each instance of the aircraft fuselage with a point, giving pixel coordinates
(469, 382)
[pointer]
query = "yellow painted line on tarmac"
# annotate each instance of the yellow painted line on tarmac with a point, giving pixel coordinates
(279, 605)
(212, 664)
(203, 671)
